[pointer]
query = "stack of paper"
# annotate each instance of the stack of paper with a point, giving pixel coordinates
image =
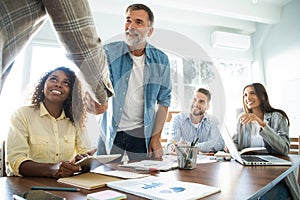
(160, 189)
(156, 165)
(120, 174)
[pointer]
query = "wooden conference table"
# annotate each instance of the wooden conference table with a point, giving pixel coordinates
(236, 181)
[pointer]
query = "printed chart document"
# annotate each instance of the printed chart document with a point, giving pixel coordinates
(155, 188)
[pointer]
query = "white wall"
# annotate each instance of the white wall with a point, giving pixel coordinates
(278, 50)
(109, 26)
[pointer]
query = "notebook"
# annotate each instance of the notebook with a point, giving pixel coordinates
(251, 159)
(88, 180)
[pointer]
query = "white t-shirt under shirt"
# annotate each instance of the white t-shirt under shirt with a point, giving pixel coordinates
(256, 138)
(133, 111)
(195, 125)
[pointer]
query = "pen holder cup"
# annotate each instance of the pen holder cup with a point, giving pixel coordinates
(186, 157)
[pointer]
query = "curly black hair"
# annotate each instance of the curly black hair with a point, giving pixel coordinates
(74, 107)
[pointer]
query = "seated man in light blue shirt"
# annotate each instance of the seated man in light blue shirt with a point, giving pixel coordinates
(186, 127)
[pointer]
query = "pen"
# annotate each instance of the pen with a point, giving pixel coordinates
(55, 188)
(146, 169)
(190, 153)
(195, 142)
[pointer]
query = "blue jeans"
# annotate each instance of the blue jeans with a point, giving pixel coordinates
(133, 142)
(279, 192)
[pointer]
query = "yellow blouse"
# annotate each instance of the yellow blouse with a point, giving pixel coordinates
(35, 135)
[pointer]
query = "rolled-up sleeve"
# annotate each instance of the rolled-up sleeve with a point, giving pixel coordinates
(17, 144)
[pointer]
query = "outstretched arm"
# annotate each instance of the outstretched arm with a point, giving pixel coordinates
(75, 27)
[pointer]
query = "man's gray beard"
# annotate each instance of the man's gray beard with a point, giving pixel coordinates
(133, 41)
(130, 41)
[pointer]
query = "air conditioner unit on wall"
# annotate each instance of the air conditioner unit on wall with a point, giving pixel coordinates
(230, 40)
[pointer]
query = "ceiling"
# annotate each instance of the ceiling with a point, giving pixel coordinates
(240, 16)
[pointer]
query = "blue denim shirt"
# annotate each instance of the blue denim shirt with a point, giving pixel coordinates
(157, 88)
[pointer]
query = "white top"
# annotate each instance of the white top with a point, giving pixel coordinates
(196, 125)
(133, 111)
(256, 138)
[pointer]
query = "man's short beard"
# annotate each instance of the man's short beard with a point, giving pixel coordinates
(197, 113)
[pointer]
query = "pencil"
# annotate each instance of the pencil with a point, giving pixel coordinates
(55, 188)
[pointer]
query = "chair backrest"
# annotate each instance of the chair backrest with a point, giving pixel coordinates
(2, 159)
(170, 114)
(294, 145)
(166, 125)
(295, 149)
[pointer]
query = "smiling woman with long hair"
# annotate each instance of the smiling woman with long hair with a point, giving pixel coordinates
(261, 125)
(45, 137)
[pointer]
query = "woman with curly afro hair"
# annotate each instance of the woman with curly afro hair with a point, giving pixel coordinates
(48, 136)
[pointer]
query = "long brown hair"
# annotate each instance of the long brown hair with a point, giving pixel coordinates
(264, 99)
